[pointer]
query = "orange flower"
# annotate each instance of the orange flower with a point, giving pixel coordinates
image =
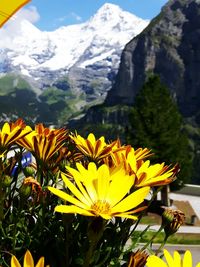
(91, 147)
(44, 142)
(11, 133)
(146, 174)
(119, 155)
(142, 172)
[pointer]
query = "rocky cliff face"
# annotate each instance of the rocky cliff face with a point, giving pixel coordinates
(170, 47)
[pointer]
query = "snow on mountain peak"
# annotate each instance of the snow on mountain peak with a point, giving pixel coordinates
(102, 36)
(107, 12)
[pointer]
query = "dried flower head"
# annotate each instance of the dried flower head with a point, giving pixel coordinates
(138, 259)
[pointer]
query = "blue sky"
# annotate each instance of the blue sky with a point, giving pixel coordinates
(49, 15)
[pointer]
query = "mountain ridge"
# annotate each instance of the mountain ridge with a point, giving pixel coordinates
(168, 47)
(74, 64)
(63, 48)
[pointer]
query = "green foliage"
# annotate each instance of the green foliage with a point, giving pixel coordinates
(157, 124)
(52, 95)
(110, 121)
(9, 83)
(194, 134)
(55, 105)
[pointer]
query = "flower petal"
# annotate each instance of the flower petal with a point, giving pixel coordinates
(119, 188)
(132, 200)
(75, 191)
(168, 258)
(72, 209)
(128, 216)
(177, 259)
(154, 261)
(28, 259)
(187, 259)
(15, 262)
(103, 182)
(40, 262)
(67, 197)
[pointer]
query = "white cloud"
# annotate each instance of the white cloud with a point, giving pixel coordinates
(76, 16)
(12, 27)
(61, 19)
(31, 14)
(71, 15)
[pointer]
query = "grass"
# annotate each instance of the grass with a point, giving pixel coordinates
(178, 238)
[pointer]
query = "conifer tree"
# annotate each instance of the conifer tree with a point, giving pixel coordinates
(156, 123)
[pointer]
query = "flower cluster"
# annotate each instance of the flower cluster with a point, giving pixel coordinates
(97, 189)
(111, 181)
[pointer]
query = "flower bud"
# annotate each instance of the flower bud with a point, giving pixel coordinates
(172, 220)
(167, 216)
(6, 181)
(25, 191)
(29, 171)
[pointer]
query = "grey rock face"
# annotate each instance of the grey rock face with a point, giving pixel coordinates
(170, 47)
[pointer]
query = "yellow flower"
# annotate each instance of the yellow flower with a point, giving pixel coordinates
(175, 261)
(92, 147)
(143, 173)
(146, 174)
(99, 192)
(28, 261)
(44, 142)
(119, 154)
(11, 133)
(142, 153)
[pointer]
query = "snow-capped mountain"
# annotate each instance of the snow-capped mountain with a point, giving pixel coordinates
(100, 38)
(80, 59)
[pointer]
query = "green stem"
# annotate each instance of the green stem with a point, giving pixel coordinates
(67, 221)
(151, 240)
(161, 245)
(95, 231)
(142, 213)
(1, 192)
(89, 254)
